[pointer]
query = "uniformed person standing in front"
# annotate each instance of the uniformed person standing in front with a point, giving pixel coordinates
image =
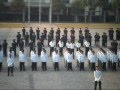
(65, 31)
(31, 45)
(118, 34)
(57, 39)
(78, 45)
(87, 45)
(56, 60)
(61, 44)
(33, 38)
(44, 58)
(81, 39)
(104, 39)
(111, 33)
(31, 32)
(23, 31)
(97, 39)
(39, 46)
(22, 60)
(26, 39)
(4, 45)
(72, 31)
(21, 45)
(18, 38)
(72, 46)
(1, 58)
(97, 76)
(52, 45)
(72, 38)
(69, 58)
(10, 62)
(34, 59)
(45, 33)
(52, 33)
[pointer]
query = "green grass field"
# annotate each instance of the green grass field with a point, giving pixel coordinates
(63, 25)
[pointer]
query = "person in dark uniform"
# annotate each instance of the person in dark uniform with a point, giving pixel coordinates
(38, 32)
(57, 39)
(118, 34)
(81, 39)
(52, 33)
(65, 31)
(23, 31)
(45, 33)
(31, 32)
(72, 31)
(42, 38)
(26, 39)
(111, 33)
(80, 31)
(104, 40)
(97, 39)
(4, 45)
(64, 39)
(86, 31)
(114, 46)
(89, 38)
(72, 38)
(18, 38)
(21, 44)
(14, 45)
(33, 37)
(31, 45)
(58, 31)
(39, 46)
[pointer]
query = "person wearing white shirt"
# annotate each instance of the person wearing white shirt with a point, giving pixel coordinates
(44, 58)
(68, 45)
(72, 46)
(87, 45)
(65, 56)
(97, 76)
(34, 59)
(114, 59)
(88, 56)
(10, 62)
(81, 60)
(22, 60)
(118, 54)
(56, 60)
(52, 45)
(1, 59)
(61, 44)
(93, 59)
(69, 61)
(78, 45)
(109, 52)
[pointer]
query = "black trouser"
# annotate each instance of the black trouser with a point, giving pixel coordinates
(109, 64)
(22, 66)
(69, 66)
(39, 51)
(56, 66)
(104, 66)
(114, 66)
(111, 36)
(26, 43)
(86, 50)
(100, 63)
(51, 50)
(81, 64)
(92, 65)
(21, 48)
(14, 49)
(10, 69)
(34, 66)
(0, 66)
(96, 82)
(61, 51)
(44, 67)
(72, 50)
(104, 43)
(5, 52)
(37, 35)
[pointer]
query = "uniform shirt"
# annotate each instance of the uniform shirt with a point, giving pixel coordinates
(89, 54)
(1, 56)
(101, 56)
(68, 45)
(108, 55)
(118, 54)
(52, 43)
(22, 57)
(60, 44)
(87, 44)
(69, 58)
(34, 57)
(114, 57)
(80, 57)
(12, 55)
(43, 57)
(55, 57)
(78, 45)
(72, 45)
(65, 55)
(93, 58)
(97, 75)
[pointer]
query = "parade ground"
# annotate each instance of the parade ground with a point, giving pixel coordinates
(50, 79)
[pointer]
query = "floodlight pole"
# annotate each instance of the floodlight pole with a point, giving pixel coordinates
(40, 11)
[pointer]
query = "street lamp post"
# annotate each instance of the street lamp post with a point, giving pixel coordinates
(50, 12)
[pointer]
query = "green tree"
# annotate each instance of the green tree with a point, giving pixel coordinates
(116, 6)
(20, 6)
(57, 7)
(78, 6)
